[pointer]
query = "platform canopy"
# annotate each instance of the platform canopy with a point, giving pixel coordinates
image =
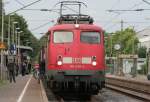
(25, 47)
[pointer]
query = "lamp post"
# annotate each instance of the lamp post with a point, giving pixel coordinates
(111, 53)
(17, 44)
(14, 32)
(9, 27)
(17, 35)
(117, 70)
(18, 50)
(2, 40)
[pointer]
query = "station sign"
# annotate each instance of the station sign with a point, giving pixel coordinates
(128, 56)
(12, 49)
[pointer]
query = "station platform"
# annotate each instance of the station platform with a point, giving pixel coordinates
(26, 89)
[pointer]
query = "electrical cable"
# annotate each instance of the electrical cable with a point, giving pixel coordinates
(24, 7)
(71, 9)
(146, 2)
(37, 20)
(40, 26)
(119, 15)
(49, 22)
(124, 22)
(19, 2)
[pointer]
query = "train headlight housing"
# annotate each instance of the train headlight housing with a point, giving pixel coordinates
(77, 25)
(94, 63)
(59, 63)
(59, 60)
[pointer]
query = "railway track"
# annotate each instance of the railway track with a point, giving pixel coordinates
(140, 89)
(48, 95)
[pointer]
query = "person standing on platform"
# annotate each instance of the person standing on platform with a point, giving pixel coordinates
(29, 67)
(11, 69)
(23, 70)
(42, 68)
(17, 69)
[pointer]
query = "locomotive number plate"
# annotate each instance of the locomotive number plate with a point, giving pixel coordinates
(77, 60)
(77, 66)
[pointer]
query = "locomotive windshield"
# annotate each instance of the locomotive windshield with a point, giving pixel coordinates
(90, 37)
(63, 37)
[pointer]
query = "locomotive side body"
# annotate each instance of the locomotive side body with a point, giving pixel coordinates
(75, 59)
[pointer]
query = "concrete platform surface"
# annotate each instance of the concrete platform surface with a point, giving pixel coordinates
(26, 89)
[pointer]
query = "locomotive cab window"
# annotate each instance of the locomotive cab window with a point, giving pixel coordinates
(90, 37)
(63, 37)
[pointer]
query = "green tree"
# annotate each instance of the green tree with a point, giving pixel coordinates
(126, 38)
(42, 42)
(142, 52)
(26, 38)
(108, 43)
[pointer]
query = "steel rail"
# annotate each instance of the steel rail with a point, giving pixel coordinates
(130, 86)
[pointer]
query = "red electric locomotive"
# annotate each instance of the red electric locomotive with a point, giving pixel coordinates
(75, 56)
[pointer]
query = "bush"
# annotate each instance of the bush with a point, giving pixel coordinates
(143, 70)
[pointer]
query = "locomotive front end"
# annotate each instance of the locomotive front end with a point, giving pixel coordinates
(76, 59)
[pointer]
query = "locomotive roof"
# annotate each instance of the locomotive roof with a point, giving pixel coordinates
(72, 27)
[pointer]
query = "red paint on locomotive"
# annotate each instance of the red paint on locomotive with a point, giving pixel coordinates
(76, 54)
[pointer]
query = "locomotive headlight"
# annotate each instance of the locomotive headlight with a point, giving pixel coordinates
(94, 63)
(77, 25)
(59, 60)
(59, 63)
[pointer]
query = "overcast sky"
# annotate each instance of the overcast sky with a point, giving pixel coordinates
(110, 21)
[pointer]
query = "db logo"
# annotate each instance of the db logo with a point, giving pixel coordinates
(77, 60)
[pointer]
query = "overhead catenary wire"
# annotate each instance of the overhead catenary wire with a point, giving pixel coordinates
(71, 9)
(19, 2)
(69, 3)
(24, 7)
(146, 2)
(124, 22)
(119, 15)
(114, 5)
(64, 3)
(37, 20)
(127, 10)
(123, 12)
(50, 10)
(42, 9)
(40, 26)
